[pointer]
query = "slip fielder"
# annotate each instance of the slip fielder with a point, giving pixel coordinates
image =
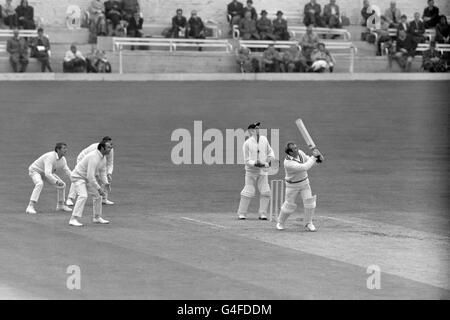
(257, 155)
(296, 166)
(43, 169)
(109, 170)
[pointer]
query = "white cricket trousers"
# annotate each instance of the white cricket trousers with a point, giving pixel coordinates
(38, 181)
(72, 193)
(82, 190)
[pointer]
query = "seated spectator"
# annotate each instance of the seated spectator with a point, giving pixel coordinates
(17, 47)
(40, 49)
(97, 20)
(403, 25)
(293, 60)
(8, 13)
(271, 60)
(129, 8)
(25, 15)
(432, 60)
(113, 13)
(265, 27)
(393, 15)
(235, 10)
(120, 30)
(247, 63)
(309, 42)
(196, 26)
(430, 15)
(247, 27)
(280, 27)
(366, 12)
(134, 28)
(311, 14)
(74, 61)
(252, 10)
(405, 51)
(383, 35)
(322, 60)
(179, 25)
(96, 62)
(331, 15)
(417, 28)
(443, 31)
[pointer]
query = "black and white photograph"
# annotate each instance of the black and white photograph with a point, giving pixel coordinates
(224, 155)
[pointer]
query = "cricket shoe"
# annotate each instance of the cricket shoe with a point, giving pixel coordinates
(30, 210)
(74, 222)
(69, 202)
(280, 226)
(310, 227)
(107, 202)
(100, 220)
(262, 216)
(241, 216)
(63, 207)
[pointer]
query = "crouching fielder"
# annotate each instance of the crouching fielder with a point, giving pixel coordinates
(84, 180)
(257, 155)
(44, 168)
(296, 165)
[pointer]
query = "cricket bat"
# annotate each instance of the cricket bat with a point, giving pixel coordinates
(306, 136)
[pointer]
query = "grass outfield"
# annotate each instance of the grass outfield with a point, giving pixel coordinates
(382, 192)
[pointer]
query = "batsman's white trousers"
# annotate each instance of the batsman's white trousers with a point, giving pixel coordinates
(82, 190)
(38, 181)
(293, 189)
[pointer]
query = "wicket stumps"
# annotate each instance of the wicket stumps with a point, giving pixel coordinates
(276, 198)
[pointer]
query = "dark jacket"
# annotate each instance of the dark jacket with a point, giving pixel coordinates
(235, 9)
(196, 27)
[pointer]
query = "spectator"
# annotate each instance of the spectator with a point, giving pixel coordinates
(113, 14)
(265, 27)
(9, 15)
(293, 60)
(383, 34)
(252, 10)
(322, 60)
(393, 15)
(405, 51)
(309, 42)
(17, 47)
(417, 28)
(129, 8)
(271, 60)
(235, 11)
(432, 60)
(25, 15)
(74, 61)
(247, 27)
(430, 15)
(247, 63)
(280, 27)
(40, 49)
(403, 25)
(196, 26)
(134, 28)
(312, 13)
(97, 20)
(331, 15)
(179, 25)
(442, 30)
(96, 62)
(366, 12)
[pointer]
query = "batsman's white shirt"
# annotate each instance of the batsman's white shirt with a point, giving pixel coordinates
(109, 157)
(94, 162)
(48, 164)
(256, 150)
(296, 168)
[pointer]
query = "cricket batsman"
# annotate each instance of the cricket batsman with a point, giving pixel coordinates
(257, 155)
(43, 169)
(109, 170)
(296, 166)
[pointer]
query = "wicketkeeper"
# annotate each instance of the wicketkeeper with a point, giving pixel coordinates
(296, 165)
(257, 155)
